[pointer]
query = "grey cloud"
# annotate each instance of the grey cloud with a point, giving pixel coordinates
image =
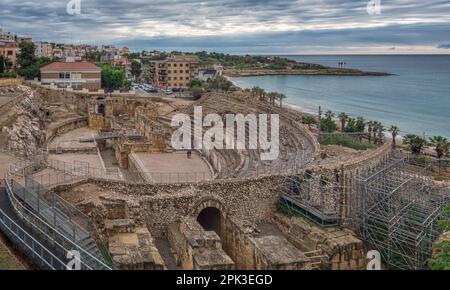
(251, 22)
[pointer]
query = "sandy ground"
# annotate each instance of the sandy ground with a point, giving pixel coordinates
(174, 165)
(71, 139)
(92, 159)
(4, 100)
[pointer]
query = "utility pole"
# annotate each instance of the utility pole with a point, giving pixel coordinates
(319, 125)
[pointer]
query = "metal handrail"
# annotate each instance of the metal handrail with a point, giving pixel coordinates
(40, 255)
(14, 201)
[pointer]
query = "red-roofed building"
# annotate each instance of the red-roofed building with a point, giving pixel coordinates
(76, 75)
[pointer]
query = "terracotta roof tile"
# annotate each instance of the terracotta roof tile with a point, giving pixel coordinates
(72, 66)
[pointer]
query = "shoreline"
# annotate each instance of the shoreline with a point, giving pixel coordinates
(312, 113)
(287, 72)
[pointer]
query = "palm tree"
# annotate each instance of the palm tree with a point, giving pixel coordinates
(415, 143)
(329, 115)
(281, 97)
(370, 125)
(255, 91)
(375, 128)
(394, 131)
(272, 97)
(343, 117)
(262, 94)
(380, 133)
(308, 120)
(440, 144)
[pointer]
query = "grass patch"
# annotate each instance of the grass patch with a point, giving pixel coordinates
(8, 75)
(105, 254)
(283, 208)
(345, 141)
(7, 260)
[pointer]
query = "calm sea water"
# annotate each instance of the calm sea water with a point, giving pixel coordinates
(416, 99)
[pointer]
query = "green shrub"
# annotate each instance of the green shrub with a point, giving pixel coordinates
(346, 141)
(8, 75)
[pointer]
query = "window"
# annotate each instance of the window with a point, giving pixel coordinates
(61, 75)
(169, 78)
(170, 64)
(170, 71)
(67, 75)
(175, 78)
(181, 78)
(187, 71)
(181, 65)
(174, 71)
(175, 65)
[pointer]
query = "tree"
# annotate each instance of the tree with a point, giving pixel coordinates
(415, 143)
(2, 64)
(328, 125)
(26, 56)
(29, 64)
(308, 120)
(360, 125)
(329, 115)
(136, 69)
(370, 125)
(343, 117)
(380, 133)
(195, 83)
(112, 78)
(272, 97)
(394, 132)
(197, 92)
(281, 97)
(440, 144)
(375, 129)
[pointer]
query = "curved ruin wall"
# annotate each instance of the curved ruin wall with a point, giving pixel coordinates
(158, 206)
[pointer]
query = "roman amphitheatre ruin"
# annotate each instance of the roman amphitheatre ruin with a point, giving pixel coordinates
(97, 174)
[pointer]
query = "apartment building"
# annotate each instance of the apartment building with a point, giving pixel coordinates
(43, 49)
(76, 75)
(10, 50)
(175, 72)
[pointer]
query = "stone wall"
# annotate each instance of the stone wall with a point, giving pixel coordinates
(6, 82)
(159, 205)
(64, 127)
(131, 247)
(197, 249)
(341, 249)
(270, 252)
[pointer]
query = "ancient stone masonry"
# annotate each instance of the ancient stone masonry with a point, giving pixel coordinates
(131, 247)
(197, 249)
(160, 205)
(27, 134)
(340, 249)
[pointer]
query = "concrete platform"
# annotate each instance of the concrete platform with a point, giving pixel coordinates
(70, 140)
(93, 159)
(171, 167)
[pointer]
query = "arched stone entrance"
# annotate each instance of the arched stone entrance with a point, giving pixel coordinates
(211, 215)
(210, 219)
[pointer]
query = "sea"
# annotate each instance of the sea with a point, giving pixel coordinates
(416, 98)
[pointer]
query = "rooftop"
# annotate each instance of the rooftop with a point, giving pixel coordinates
(72, 66)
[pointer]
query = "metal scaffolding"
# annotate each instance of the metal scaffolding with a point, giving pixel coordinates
(313, 197)
(397, 210)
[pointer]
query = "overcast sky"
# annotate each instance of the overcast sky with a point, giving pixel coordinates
(239, 26)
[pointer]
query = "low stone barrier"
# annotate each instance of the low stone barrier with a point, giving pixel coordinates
(6, 82)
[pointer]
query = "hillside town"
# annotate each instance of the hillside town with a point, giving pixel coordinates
(78, 67)
(89, 163)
